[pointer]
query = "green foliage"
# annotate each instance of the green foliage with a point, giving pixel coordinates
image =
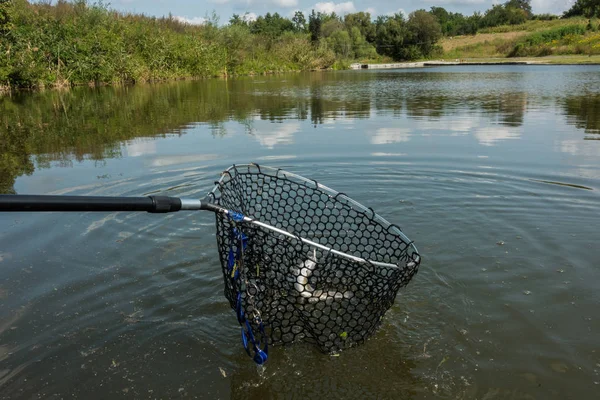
(424, 31)
(68, 43)
(341, 43)
(331, 26)
(502, 15)
(561, 40)
(6, 11)
(390, 32)
(341, 65)
(545, 17)
(553, 34)
(512, 12)
(271, 25)
(362, 49)
(585, 8)
(362, 21)
(453, 24)
(314, 26)
(524, 5)
(534, 25)
(299, 21)
(237, 20)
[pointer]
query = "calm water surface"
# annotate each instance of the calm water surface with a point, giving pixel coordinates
(493, 171)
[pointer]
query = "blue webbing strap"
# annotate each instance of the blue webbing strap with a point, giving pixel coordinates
(234, 266)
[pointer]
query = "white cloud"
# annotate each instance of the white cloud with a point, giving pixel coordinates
(489, 136)
(285, 3)
(248, 3)
(390, 135)
(219, 1)
(338, 8)
(463, 2)
(457, 126)
(140, 147)
(371, 11)
(284, 135)
(191, 21)
(579, 148)
(398, 11)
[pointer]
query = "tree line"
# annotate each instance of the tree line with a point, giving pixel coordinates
(78, 42)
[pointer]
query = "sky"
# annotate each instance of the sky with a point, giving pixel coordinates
(195, 11)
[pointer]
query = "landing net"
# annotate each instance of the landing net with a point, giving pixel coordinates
(313, 265)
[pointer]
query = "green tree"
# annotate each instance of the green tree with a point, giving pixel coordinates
(472, 24)
(271, 25)
(299, 21)
(361, 20)
(441, 14)
(360, 46)
(524, 5)
(314, 26)
(331, 26)
(446, 19)
(341, 43)
(390, 33)
(500, 14)
(236, 19)
(5, 15)
(424, 31)
(586, 8)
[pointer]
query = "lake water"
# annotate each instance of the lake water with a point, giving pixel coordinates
(494, 172)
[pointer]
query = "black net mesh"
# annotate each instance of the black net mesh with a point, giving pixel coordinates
(303, 292)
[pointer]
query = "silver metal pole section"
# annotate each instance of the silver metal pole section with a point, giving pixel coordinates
(190, 204)
(314, 244)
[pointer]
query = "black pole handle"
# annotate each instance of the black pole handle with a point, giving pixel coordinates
(152, 204)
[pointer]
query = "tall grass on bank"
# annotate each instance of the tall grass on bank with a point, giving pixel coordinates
(77, 43)
(562, 38)
(536, 25)
(568, 39)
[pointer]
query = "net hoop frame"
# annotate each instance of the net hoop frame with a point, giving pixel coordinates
(230, 172)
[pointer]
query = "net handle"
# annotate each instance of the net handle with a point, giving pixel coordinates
(165, 204)
(151, 204)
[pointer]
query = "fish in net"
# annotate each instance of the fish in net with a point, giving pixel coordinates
(312, 264)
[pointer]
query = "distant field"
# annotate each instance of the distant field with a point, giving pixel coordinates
(534, 26)
(451, 43)
(500, 41)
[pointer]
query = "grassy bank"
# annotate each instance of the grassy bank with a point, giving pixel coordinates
(566, 37)
(69, 43)
(79, 42)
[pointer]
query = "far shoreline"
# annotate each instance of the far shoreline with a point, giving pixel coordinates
(548, 60)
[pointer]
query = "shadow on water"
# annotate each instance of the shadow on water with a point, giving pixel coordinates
(91, 124)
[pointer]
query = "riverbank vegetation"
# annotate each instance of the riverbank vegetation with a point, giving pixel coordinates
(65, 43)
(576, 33)
(574, 36)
